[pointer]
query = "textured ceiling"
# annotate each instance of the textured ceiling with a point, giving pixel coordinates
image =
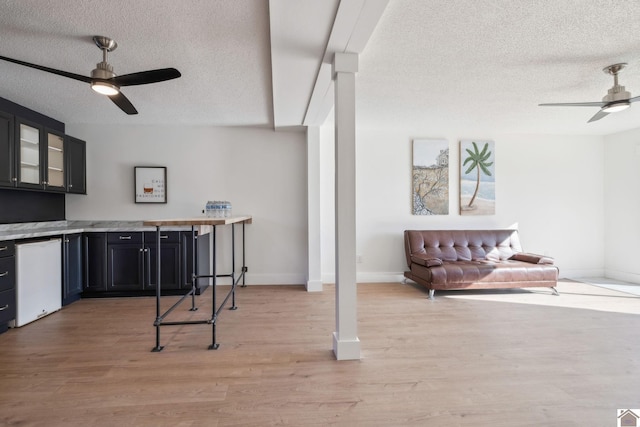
(221, 48)
(481, 66)
(485, 65)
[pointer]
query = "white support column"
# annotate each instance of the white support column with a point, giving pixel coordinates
(346, 344)
(314, 279)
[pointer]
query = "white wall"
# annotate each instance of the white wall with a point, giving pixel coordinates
(550, 187)
(261, 172)
(622, 204)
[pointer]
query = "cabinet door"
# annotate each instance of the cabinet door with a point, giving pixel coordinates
(76, 165)
(54, 161)
(7, 158)
(169, 266)
(125, 261)
(169, 260)
(29, 154)
(186, 240)
(125, 267)
(72, 268)
(95, 262)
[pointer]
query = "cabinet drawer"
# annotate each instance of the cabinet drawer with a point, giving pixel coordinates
(7, 306)
(7, 273)
(165, 237)
(7, 248)
(123, 237)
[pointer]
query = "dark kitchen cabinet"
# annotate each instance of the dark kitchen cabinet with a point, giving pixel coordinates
(35, 153)
(71, 268)
(54, 162)
(124, 263)
(7, 284)
(125, 260)
(7, 158)
(95, 262)
(169, 260)
(131, 260)
(76, 159)
(186, 240)
(29, 152)
(40, 157)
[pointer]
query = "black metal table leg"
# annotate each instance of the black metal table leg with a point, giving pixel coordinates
(233, 268)
(214, 345)
(244, 266)
(158, 321)
(194, 272)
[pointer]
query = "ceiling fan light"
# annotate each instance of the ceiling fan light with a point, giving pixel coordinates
(616, 107)
(105, 88)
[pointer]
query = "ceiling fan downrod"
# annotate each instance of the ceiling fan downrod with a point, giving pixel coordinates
(104, 70)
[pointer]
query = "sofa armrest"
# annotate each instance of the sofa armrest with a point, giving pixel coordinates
(532, 258)
(426, 261)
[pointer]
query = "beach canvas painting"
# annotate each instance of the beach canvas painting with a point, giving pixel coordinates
(477, 178)
(430, 177)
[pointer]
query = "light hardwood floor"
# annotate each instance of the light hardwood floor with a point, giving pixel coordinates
(483, 358)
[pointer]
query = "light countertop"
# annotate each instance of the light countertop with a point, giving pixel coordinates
(55, 228)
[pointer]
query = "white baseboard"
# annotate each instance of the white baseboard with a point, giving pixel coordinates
(314, 286)
(366, 277)
(346, 349)
(267, 279)
(577, 273)
(622, 276)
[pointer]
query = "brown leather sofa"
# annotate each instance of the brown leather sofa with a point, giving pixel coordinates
(474, 259)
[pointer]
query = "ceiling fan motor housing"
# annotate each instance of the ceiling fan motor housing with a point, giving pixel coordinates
(616, 93)
(103, 70)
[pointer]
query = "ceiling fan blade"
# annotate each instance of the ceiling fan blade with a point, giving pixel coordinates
(125, 105)
(574, 104)
(146, 77)
(634, 99)
(600, 114)
(49, 70)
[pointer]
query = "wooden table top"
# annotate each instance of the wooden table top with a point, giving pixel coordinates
(199, 221)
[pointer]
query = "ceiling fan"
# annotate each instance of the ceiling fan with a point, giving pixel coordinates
(104, 81)
(617, 99)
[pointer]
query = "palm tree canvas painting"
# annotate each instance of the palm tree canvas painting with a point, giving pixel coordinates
(477, 178)
(430, 177)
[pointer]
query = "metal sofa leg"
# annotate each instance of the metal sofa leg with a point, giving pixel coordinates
(431, 294)
(555, 291)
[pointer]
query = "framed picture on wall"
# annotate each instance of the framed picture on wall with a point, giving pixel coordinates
(477, 178)
(150, 184)
(430, 177)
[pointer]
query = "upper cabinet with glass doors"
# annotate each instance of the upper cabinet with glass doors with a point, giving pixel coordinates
(36, 154)
(29, 154)
(55, 161)
(40, 157)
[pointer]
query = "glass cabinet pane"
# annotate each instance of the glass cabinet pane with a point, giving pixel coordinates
(29, 154)
(55, 160)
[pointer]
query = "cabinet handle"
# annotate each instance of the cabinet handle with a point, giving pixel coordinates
(14, 179)
(4, 248)
(70, 185)
(4, 308)
(125, 237)
(4, 274)
(164, 236)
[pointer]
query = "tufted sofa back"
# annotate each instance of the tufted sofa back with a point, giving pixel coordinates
(462, 245)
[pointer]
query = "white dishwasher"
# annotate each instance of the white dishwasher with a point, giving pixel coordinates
(38, 280)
